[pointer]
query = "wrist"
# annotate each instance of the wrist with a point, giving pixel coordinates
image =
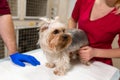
(96, 52)
(99, 52)
(12, 52)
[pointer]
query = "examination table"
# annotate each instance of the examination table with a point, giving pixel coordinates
(96, 71)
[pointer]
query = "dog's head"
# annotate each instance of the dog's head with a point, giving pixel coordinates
(53, 35)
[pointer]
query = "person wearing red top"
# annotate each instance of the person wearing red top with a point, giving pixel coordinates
(7, 33)
(100, 19)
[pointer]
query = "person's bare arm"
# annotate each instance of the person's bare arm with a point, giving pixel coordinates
(108, 53)
(72, 23)
(7, 33)
(87, 53)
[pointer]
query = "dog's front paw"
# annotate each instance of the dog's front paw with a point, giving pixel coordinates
(50, 65)
(59, 72)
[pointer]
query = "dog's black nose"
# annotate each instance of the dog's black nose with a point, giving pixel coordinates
(65, 36)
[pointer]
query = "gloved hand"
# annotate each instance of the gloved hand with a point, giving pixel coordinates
(19, 59)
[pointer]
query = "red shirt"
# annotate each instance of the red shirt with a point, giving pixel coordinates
(100, 32)
(4, 8)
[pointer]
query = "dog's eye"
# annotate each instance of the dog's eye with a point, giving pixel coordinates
(56, 32)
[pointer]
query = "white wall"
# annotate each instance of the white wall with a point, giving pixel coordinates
(71, 6)
(65, 9)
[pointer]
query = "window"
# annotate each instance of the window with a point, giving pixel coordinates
(36, 8)
(27, 39)
(28, 8)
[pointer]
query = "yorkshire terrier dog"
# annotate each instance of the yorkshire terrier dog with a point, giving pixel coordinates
(57, 42)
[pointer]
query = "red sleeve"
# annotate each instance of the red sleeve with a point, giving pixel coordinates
(75, 13)
(4, 7)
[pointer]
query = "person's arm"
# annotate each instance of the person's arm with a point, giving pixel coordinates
(87, 53)
(7, 33)
(108, 53)
(72, 23)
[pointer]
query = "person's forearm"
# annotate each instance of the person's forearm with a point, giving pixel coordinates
(71, 23)
(7, 33)
(107, 53)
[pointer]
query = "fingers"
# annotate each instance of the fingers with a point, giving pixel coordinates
(85, 53)
(84, 58)
(17, 62)
(34, 60)
(19, 59)
(31, 60)
(85, 48)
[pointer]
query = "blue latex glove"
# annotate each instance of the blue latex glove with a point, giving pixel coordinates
(19, 59)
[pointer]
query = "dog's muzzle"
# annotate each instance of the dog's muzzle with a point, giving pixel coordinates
(65, 36)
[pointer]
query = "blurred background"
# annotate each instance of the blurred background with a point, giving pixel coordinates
(26, 15)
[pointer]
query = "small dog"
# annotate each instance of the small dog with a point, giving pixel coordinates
(57, 42)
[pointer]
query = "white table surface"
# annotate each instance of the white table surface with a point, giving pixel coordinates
(96, 71)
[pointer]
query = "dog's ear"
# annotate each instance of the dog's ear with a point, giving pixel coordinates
(57, 18)
(47, 20)
(43, 28)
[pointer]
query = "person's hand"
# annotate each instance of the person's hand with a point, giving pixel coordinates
(86, 53)
(19, 59)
